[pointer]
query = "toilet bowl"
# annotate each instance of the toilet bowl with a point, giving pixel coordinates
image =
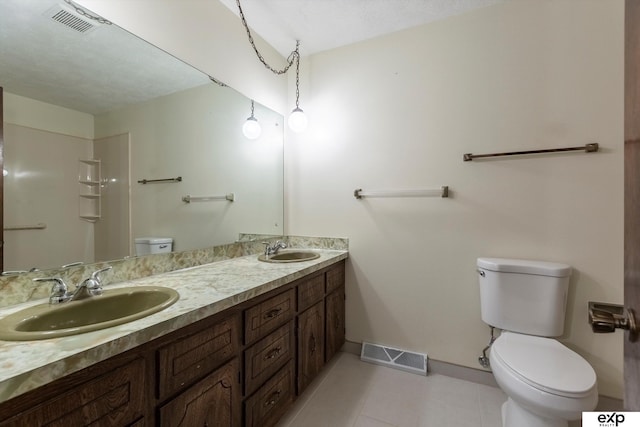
(547, 383)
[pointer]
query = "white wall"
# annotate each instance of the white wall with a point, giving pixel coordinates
(42, 145)
(398, 112)
(197, 134)
(205, 34)
(113, 230)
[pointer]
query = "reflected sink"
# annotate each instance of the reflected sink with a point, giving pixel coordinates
(290, 256)
(113, 307)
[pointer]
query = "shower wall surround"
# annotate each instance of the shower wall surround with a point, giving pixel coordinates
(19, 289)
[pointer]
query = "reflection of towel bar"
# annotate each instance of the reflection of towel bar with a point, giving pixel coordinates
(188, 199)
(39, 226)
(147, 181)
(442, 192)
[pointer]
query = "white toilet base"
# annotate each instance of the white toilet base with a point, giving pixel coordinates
(514, 415)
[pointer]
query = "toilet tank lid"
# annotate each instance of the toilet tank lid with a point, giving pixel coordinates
(541, 268)
(154, 240)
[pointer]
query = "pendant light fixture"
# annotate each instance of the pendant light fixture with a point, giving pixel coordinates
(297, 120)
(251, 128)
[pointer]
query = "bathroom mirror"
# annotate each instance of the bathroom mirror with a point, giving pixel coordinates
(106, 136)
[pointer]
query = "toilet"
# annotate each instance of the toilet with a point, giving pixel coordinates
(153, 245)
(547, 384)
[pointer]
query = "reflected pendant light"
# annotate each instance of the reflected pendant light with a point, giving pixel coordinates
(297, 120)
(251, 128)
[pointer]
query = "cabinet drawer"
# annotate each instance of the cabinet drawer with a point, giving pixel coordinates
(268, 315)
(186, 360)
(272, 400)
(116, 398)
(335, 277)
(310, 291)
(266, 356)
(214, 401)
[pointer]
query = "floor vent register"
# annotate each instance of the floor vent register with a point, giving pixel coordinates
(394, 358)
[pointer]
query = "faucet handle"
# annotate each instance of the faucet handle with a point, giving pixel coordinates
(93, 283)
(59, 290)
(267, 248)
(95, 274)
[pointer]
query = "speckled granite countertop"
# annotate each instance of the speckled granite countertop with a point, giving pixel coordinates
(204, 290)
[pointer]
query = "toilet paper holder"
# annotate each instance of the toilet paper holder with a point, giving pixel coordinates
(605, 318)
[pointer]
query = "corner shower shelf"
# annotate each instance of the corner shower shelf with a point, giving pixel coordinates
(89, 178)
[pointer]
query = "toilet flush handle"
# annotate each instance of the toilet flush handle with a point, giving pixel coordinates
(605, 318)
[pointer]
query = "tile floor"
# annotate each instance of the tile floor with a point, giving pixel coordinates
(352, 393)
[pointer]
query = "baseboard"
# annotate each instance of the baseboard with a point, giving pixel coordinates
(479, 376)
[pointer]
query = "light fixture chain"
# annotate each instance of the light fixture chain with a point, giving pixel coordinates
(86, 14)
(295, 54)
(297, 80)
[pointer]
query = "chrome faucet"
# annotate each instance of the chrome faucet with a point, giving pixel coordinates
(273, 249)
(89, 287)
(59, 291)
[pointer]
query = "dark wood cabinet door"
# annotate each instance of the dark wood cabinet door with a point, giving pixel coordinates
(267, 356)
(271, 401)
(310, 292)
(310, 344)
(335, 317)
(113, 399)
(335, 277)
(212, 402)
(190, 358)
(263, 318)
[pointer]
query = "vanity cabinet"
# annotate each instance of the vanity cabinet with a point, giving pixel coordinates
(335, 322)
(244, 366)
(189, 358)
(213, 401)
(310, 344)
(265, 407)
(112, 394)
(335, 310)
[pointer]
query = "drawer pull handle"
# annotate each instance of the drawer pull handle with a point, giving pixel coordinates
(272, 399)
(273, 353)
(272, 313)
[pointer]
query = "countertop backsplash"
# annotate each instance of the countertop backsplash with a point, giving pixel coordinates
(22, 288)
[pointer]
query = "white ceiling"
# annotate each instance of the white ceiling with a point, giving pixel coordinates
(108, 67)
(326, 24)
(92, 72)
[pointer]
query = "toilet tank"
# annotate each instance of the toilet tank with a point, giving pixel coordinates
(153, 245)
(528, 297)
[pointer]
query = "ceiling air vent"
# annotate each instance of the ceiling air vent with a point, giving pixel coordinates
(71, 19)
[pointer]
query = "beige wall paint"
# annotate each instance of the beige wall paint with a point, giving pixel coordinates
(189, 134)
(113, 231)
(42, 187)
(28, 112)
(206, 35)
(398, 112)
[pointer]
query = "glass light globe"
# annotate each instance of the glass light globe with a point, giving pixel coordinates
(298, 120)
(251, 128)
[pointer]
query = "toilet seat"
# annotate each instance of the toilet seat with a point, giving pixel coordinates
(545, 364)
